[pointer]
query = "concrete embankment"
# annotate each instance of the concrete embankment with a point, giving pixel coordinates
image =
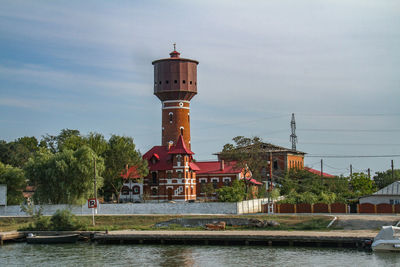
(355, 239)
(267, 238)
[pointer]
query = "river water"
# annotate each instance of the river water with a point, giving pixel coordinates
(86, 254)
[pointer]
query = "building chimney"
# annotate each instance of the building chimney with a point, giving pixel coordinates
(170, 144)
(222, 165)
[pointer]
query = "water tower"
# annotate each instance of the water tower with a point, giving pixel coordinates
(175, 84)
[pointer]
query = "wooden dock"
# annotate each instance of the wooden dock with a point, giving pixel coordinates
(266, 238)
(7, 236)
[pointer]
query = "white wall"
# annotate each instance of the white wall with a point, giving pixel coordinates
(250, 206)
(3, 194)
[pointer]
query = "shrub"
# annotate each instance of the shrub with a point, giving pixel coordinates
(64, 220)
(41, 223)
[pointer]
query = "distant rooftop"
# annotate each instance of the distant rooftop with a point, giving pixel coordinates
(392, 189)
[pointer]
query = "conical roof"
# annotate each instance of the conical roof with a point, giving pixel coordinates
(180, 148)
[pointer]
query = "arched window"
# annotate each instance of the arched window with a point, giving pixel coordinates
(154, 178)
(182, 131)
(170, 117)
(154, 191)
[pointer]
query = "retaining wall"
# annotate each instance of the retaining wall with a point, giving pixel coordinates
(249, 206)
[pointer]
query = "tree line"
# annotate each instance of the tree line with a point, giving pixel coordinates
(61, 168)
(296, 185)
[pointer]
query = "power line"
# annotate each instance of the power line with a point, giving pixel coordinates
(348, 144)
(348, 130)
(353, 156)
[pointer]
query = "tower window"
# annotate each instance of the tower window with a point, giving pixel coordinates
(154, 178)
(175, 81)
(183, 81)
(166, 81)
(160, 82)
(190, 82)
(170, 117)
(182, 130)
(188, 117)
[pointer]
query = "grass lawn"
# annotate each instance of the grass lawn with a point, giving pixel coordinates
(138, 222)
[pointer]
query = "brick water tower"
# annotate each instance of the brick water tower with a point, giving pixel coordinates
(175, 83)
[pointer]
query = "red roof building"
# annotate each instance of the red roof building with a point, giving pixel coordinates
(325, 175)
(219, 174)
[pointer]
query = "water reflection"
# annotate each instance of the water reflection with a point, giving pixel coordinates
(176, 256)
(86, 254)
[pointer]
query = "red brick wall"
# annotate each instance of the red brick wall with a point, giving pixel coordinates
(338, 208)
(286, 208)
(303, 208)
(384, 208)
(397, 208)
(366, 208)
(321, 208)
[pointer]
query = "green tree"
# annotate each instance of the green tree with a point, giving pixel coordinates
(65, 177)
(66, 139)
(14, 178)
(383, 179)
(362, 185)
(234, 193)
(97, 143)
(18, 152)
(121, 152)
(249, 156)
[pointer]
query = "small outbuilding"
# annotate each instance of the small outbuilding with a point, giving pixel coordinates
(389, 195)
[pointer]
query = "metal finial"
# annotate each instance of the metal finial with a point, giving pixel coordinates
(174, 46)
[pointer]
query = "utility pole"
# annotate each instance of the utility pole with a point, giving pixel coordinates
(322, 168)
(293, 136)
(392, 170)
(351, 171)
(270, 203)
(369, 173)
(94, 192)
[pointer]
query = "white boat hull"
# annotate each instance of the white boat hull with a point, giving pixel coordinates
(386, 245)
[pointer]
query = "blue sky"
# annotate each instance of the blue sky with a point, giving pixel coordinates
(86, 65)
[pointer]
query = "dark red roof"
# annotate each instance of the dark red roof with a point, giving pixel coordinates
(180, 148)
(253, 181)
(194, 166)
(131, 173)
(163, 161)
(214, 167)
(319, 173)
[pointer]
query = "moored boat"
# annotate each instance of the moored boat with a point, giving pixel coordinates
(388, 239)
(52, 239)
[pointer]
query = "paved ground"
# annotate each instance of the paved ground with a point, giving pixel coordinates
(335, 233)
(365, 222)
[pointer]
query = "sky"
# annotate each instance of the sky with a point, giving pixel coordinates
(86, 65)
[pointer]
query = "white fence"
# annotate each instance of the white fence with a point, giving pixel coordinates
(3, 194)
(250, 206)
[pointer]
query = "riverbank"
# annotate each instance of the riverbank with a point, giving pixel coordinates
(148, 222)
